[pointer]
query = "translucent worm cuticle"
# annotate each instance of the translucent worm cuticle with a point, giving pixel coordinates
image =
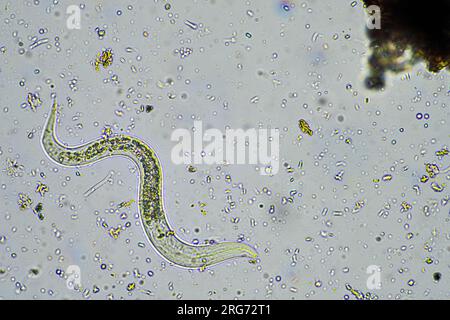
(151, 207)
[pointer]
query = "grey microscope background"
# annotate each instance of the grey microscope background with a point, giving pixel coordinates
(305, 63)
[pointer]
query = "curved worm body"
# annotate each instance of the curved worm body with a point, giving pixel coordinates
(150, 203)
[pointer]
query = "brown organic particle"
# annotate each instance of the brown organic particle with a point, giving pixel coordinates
(423, 28)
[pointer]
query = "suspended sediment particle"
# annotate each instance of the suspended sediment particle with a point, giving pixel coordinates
(105, 59)
(33, 101)
(38, 211)
(41, 189)
(422, 31)
(24, 201)
(304, 126)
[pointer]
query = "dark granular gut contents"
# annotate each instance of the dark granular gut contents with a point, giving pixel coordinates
(422, 27)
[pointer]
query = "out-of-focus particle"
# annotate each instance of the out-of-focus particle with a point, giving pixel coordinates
(191, 24)
(285, 6)
(147, 292)
(184, 52)
(147, 108)
(339, 175)
(437, 276)
(13, 168)
(254, 99)
(202, 205)
(358, 206)
(38, 43)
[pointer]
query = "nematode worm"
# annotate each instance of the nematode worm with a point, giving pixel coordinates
(151, 207)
